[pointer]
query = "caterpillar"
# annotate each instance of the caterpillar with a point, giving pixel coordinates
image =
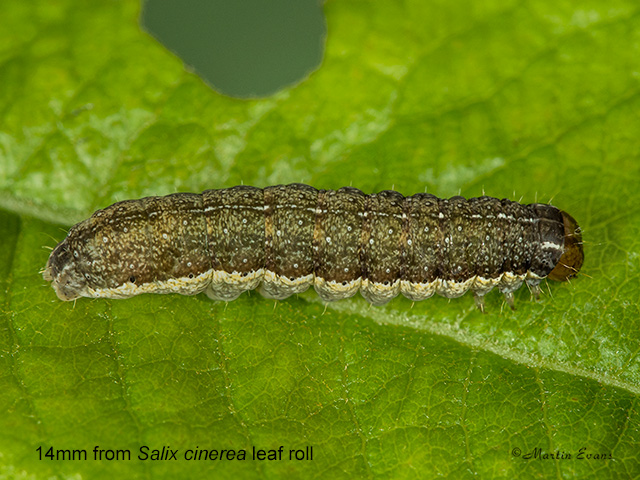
(285, 238)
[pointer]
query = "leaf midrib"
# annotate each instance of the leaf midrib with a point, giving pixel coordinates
(475, 343)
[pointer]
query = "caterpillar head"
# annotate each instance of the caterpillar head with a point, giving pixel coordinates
(571, 260)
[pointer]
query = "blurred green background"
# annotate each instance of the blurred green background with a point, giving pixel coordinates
(243, 49)
(534, 100)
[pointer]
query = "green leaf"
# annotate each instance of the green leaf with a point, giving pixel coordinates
(534, 100)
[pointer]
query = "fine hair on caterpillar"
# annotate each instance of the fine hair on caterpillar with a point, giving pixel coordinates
(286, 238)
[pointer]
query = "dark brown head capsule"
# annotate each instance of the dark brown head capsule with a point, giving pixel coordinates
(571, 260)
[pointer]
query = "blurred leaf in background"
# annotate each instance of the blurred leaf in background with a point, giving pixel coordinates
(244, 49)
(533, 100)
